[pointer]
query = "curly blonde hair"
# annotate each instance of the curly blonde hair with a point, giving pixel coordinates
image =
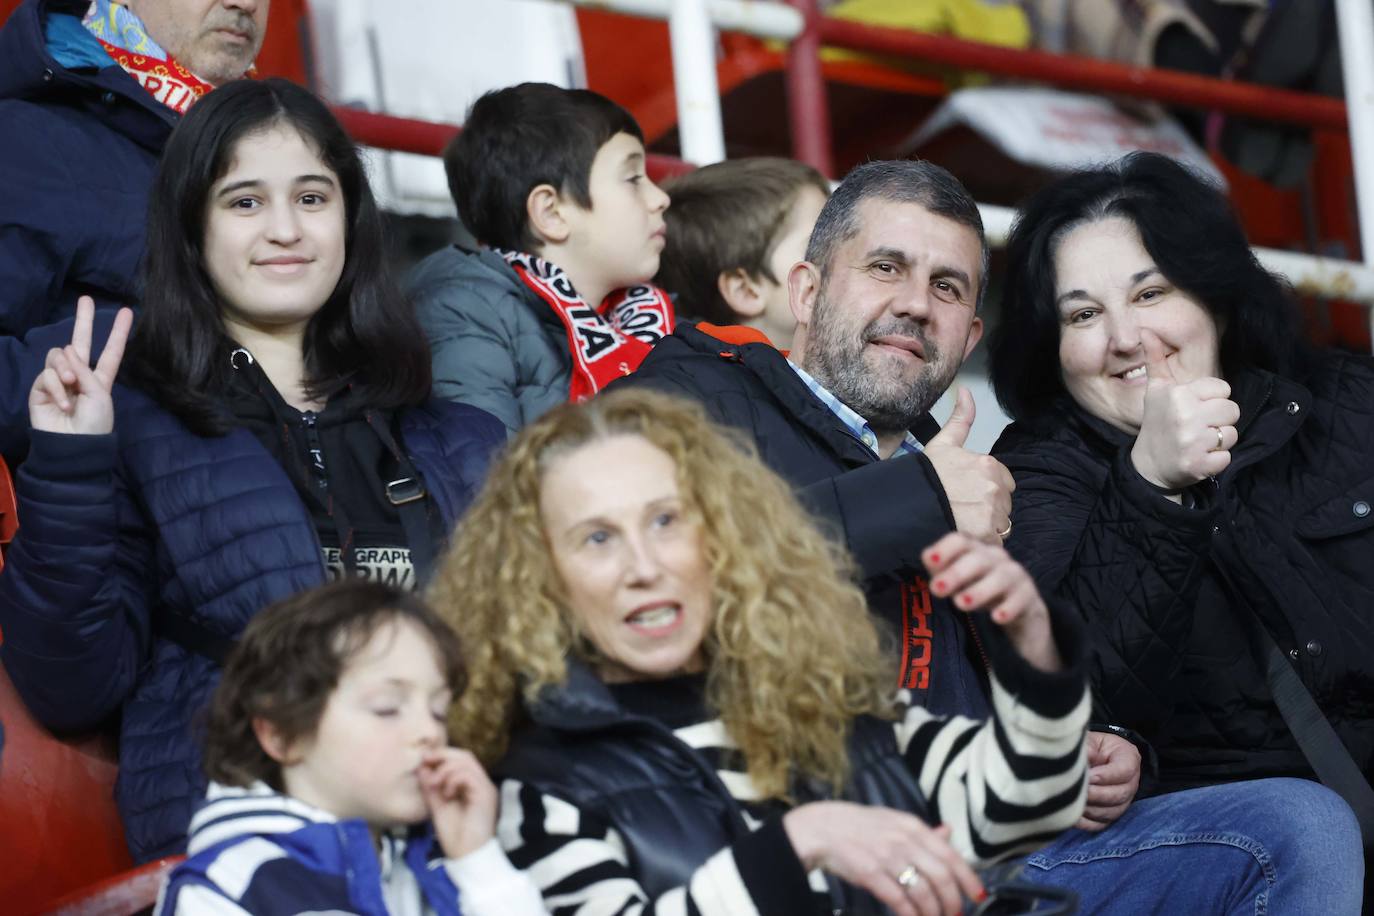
(792, 655)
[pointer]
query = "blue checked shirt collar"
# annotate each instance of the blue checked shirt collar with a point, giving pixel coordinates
(858, 427)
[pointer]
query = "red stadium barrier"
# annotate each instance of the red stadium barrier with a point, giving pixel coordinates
(130, 892)
(61, 831)
(9, 519)
(810, 121)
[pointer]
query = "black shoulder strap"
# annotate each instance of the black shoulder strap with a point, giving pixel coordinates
(1318, 740)
(408, 494)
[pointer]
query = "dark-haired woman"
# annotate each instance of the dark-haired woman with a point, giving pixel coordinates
(275, 430)
(1188, 473)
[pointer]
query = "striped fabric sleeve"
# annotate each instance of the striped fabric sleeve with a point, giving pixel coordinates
(581, 867)
(1011, 783)
(488, 884)
(195, 897)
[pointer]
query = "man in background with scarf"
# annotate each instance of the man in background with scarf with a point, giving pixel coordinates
(89, 92)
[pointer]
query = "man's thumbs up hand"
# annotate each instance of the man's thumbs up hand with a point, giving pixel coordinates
(956, 429)
(977, 486)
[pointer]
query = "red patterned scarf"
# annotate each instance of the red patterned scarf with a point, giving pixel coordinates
(125, 39)
(608, 341)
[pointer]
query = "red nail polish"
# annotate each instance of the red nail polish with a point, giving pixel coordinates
(966, 600)
(935, 558)
(939, 586)
(982, 896)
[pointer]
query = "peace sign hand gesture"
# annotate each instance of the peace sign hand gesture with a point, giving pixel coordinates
(69, 396)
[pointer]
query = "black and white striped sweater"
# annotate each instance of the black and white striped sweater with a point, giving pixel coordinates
(1004, 786)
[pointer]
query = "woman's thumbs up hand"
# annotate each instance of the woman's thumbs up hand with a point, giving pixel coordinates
(1187, 429)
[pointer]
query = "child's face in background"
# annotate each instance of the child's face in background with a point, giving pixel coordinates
(618, 241)
(389, 708)
(788, 250)
(764, 303)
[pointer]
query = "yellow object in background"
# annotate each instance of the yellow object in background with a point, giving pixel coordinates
(998, 23)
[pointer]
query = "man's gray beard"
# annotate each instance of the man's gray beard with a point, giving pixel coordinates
(889, 409)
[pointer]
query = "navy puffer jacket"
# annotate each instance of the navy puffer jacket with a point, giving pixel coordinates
(153, 518)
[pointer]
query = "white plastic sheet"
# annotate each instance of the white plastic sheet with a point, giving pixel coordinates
(1061, 131)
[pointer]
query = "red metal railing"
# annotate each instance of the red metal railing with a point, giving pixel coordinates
(810, 119)
(807, 110)
(809, 114)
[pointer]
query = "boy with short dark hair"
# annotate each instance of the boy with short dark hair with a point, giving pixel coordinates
(555, 303)
(735, 230)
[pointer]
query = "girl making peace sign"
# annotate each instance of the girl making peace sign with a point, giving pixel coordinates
(273, 430)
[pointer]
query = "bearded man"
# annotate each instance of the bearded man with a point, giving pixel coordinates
(886, 306)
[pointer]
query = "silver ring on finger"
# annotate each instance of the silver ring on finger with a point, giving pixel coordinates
(909, 877)
(1221, 440)
(1005, 532)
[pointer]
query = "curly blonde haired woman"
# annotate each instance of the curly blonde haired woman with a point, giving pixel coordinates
(688, 705)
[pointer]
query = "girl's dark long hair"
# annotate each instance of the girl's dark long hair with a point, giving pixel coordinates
(1187, 225)
(365, 333)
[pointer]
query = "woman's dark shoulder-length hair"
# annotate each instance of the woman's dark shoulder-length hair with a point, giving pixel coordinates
(365, 333)
(1187, 225)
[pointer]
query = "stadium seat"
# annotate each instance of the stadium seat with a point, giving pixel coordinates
(61, 830)
(134, 891)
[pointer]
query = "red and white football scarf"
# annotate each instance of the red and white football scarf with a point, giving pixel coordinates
(608, 341)
(124, 38)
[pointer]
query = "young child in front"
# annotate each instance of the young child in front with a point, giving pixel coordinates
(734, 231)
(333, 786)
(555, 303)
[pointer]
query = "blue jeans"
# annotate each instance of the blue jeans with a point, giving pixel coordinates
(1275, 846)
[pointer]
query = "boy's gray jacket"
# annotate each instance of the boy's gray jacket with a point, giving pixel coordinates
(496, 345)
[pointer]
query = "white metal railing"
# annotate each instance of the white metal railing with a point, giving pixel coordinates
(1355, 26)
(702, 137)
(700, 131)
